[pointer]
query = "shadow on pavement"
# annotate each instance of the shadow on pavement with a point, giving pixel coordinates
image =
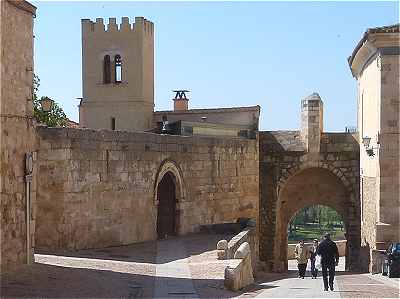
(145, 252)
(49, 281)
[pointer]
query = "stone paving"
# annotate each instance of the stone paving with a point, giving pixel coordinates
(364, 286)
(176, 268)
(346, 285)
(185, 267)
(173, 277)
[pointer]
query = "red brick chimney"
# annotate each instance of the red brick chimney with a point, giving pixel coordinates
(180, 100)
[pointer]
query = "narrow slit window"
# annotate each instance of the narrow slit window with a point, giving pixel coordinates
(113, 123)
(118, 69)
(107, 70)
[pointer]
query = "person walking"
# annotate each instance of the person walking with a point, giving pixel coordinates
(329, 253)
(301, 254)
(313, 255)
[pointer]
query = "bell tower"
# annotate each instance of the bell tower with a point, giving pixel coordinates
(117, 74)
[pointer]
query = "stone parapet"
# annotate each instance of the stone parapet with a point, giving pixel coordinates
(140, 24)
(239, 273)
(248, 234)
(340, 244)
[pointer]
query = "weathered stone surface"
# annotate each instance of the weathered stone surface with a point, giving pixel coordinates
(378, 119)
(16, 132)
(222, 245)
(221, 254)
(134, 109)
(102, 194)
(296, 172)
(243, 251)
(239, 275)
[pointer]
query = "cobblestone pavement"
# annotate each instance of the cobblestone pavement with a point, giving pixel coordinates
(185, 267)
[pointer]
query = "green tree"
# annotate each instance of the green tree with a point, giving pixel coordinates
(55, 117)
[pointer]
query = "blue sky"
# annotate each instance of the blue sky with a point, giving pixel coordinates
(270, 54)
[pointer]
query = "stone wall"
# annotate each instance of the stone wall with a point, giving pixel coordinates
(368, 220)
(368, 212)
(374, 63)
(97, 188)
(340, 244)
(389, 152)
(16, 130)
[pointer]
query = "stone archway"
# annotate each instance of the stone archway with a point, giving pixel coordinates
(169, 192)
(307, 187)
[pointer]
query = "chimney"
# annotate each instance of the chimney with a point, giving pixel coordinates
(312, 122)
(180, 100)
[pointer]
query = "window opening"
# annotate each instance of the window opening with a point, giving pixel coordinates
(118, 69)
(106, 70)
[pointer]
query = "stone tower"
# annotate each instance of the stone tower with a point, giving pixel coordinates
(117, 74)
(312, 122)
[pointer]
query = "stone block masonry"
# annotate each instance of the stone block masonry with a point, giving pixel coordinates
(17, 135)
(127, 102)
(97, 188)
(299, 169)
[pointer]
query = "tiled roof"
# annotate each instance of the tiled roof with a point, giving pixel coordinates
(24, 5)
(385, 29)
(395, 28)
(72, 124)
(212, 110)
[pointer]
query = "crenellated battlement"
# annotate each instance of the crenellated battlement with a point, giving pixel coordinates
(117, 63)
(140, 25)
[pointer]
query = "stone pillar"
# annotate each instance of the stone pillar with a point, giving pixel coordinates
(312, 122)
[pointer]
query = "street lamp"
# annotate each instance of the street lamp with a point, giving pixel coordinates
(366, 141)
(369, 149)
(46, 103)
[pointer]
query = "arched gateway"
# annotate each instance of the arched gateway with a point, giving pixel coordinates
(168, 193)
(303, 168)
(312, 186)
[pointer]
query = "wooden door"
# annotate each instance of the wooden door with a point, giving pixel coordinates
(166, 207)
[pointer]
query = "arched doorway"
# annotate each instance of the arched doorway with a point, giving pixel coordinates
(314, 186)
(166, 211)
(169, 195)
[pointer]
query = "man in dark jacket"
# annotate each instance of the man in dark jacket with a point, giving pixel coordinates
(329, 253)
(313, 256)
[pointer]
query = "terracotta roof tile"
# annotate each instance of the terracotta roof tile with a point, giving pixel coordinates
(395, 28)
